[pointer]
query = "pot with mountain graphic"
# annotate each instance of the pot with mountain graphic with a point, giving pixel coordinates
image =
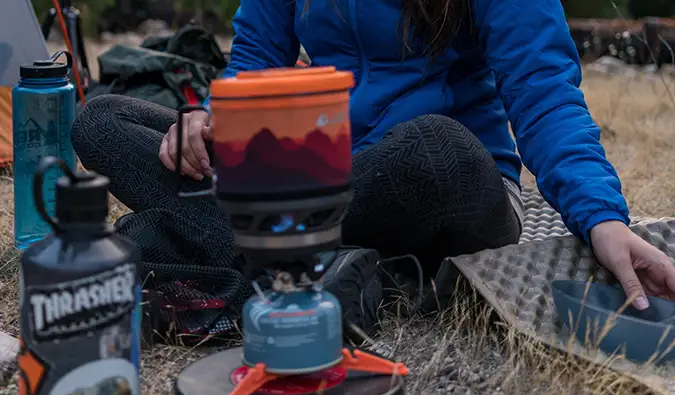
(282, 158)
(282, 132)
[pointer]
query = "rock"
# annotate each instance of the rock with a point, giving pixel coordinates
(107, 37)
(613, 66)
(9, 347)
(649, 69)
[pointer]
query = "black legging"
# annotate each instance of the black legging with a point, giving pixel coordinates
(428, 188)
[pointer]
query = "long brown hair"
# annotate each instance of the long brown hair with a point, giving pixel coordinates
(435, 22)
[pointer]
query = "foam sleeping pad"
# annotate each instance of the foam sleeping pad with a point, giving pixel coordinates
(516, 281)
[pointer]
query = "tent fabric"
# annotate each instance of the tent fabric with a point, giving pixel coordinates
(5, 126)
(21, 41)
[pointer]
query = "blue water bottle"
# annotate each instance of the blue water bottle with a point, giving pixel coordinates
(43, 110)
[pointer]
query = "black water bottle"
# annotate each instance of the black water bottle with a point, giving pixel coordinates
(80, 295)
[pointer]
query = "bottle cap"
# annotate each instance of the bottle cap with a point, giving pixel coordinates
(44, 69)
(48, 68)
(83, 198)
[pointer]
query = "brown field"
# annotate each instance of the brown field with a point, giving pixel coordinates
(458, 353)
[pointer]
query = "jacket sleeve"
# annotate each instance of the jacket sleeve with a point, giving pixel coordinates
(264, 37)
(528, 46)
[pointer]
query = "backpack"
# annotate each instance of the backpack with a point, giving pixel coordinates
(172, 71)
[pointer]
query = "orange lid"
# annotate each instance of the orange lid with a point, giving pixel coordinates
(282, 82)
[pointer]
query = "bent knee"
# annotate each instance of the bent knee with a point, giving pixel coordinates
(436, 128)
(446, 135)
(96, 111)
(452, 150)
(90, 123)
(99, 105)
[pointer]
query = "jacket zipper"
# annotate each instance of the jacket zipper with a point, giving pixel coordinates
(363, 61)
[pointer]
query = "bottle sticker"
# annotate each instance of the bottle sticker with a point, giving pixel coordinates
(74, 307)
(32, 370)
(98, 378)
(81, 335)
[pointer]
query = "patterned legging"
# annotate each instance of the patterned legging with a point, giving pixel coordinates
(428, 188)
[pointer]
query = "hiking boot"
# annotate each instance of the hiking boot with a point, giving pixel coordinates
(366, 285)
(354, 279)
(122, 220)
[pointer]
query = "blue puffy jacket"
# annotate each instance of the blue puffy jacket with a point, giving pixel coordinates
(516, 63)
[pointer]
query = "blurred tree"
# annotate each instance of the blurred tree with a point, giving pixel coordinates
(91, 11)
(227, 9)
(645, 8)
(595, 8)
(223, 9)
(626, 8)
(206, 12)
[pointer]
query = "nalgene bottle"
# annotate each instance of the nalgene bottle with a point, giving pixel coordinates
(79, 295)
(43, 109)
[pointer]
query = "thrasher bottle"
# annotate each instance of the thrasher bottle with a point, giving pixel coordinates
(43, 109)
(80, 293)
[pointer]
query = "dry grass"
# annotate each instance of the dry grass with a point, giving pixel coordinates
(467, 350)
(638, 120)
(460, 351)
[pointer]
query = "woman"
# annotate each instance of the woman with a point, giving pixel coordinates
(436, 172)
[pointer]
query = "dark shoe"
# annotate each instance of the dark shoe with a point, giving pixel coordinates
(354, 279)
(449, 284)
(122, 220)
(366, 285)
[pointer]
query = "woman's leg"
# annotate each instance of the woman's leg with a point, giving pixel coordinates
(119, 137)
(186, 245)
(429, 188)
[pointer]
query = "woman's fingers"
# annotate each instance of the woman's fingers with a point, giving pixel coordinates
(195, 158)
(170, 138)
(196, 141)
(206, 133)
(659, 268)
(669, 276)
(188, 149)
(164, 155)
(625, 273)
(171, 143)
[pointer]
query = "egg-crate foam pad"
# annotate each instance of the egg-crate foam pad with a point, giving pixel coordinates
(516, 280)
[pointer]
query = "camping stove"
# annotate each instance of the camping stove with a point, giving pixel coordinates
(282, 164)
(292, 345)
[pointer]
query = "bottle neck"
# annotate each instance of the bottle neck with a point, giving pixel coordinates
(84, 230)
(41, 82)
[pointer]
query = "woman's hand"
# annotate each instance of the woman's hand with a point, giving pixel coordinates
(640, 268)
(196, 131)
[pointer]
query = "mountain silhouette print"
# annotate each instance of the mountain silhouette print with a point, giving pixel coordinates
(277, 165)
(338, 154)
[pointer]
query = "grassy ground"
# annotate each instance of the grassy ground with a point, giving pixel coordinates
(459, 352)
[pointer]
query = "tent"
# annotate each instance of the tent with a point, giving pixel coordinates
(21, 41)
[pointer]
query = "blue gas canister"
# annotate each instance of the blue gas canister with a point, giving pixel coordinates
(43, 110)
(293, 333)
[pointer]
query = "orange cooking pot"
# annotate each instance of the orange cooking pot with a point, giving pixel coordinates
(281, 133)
